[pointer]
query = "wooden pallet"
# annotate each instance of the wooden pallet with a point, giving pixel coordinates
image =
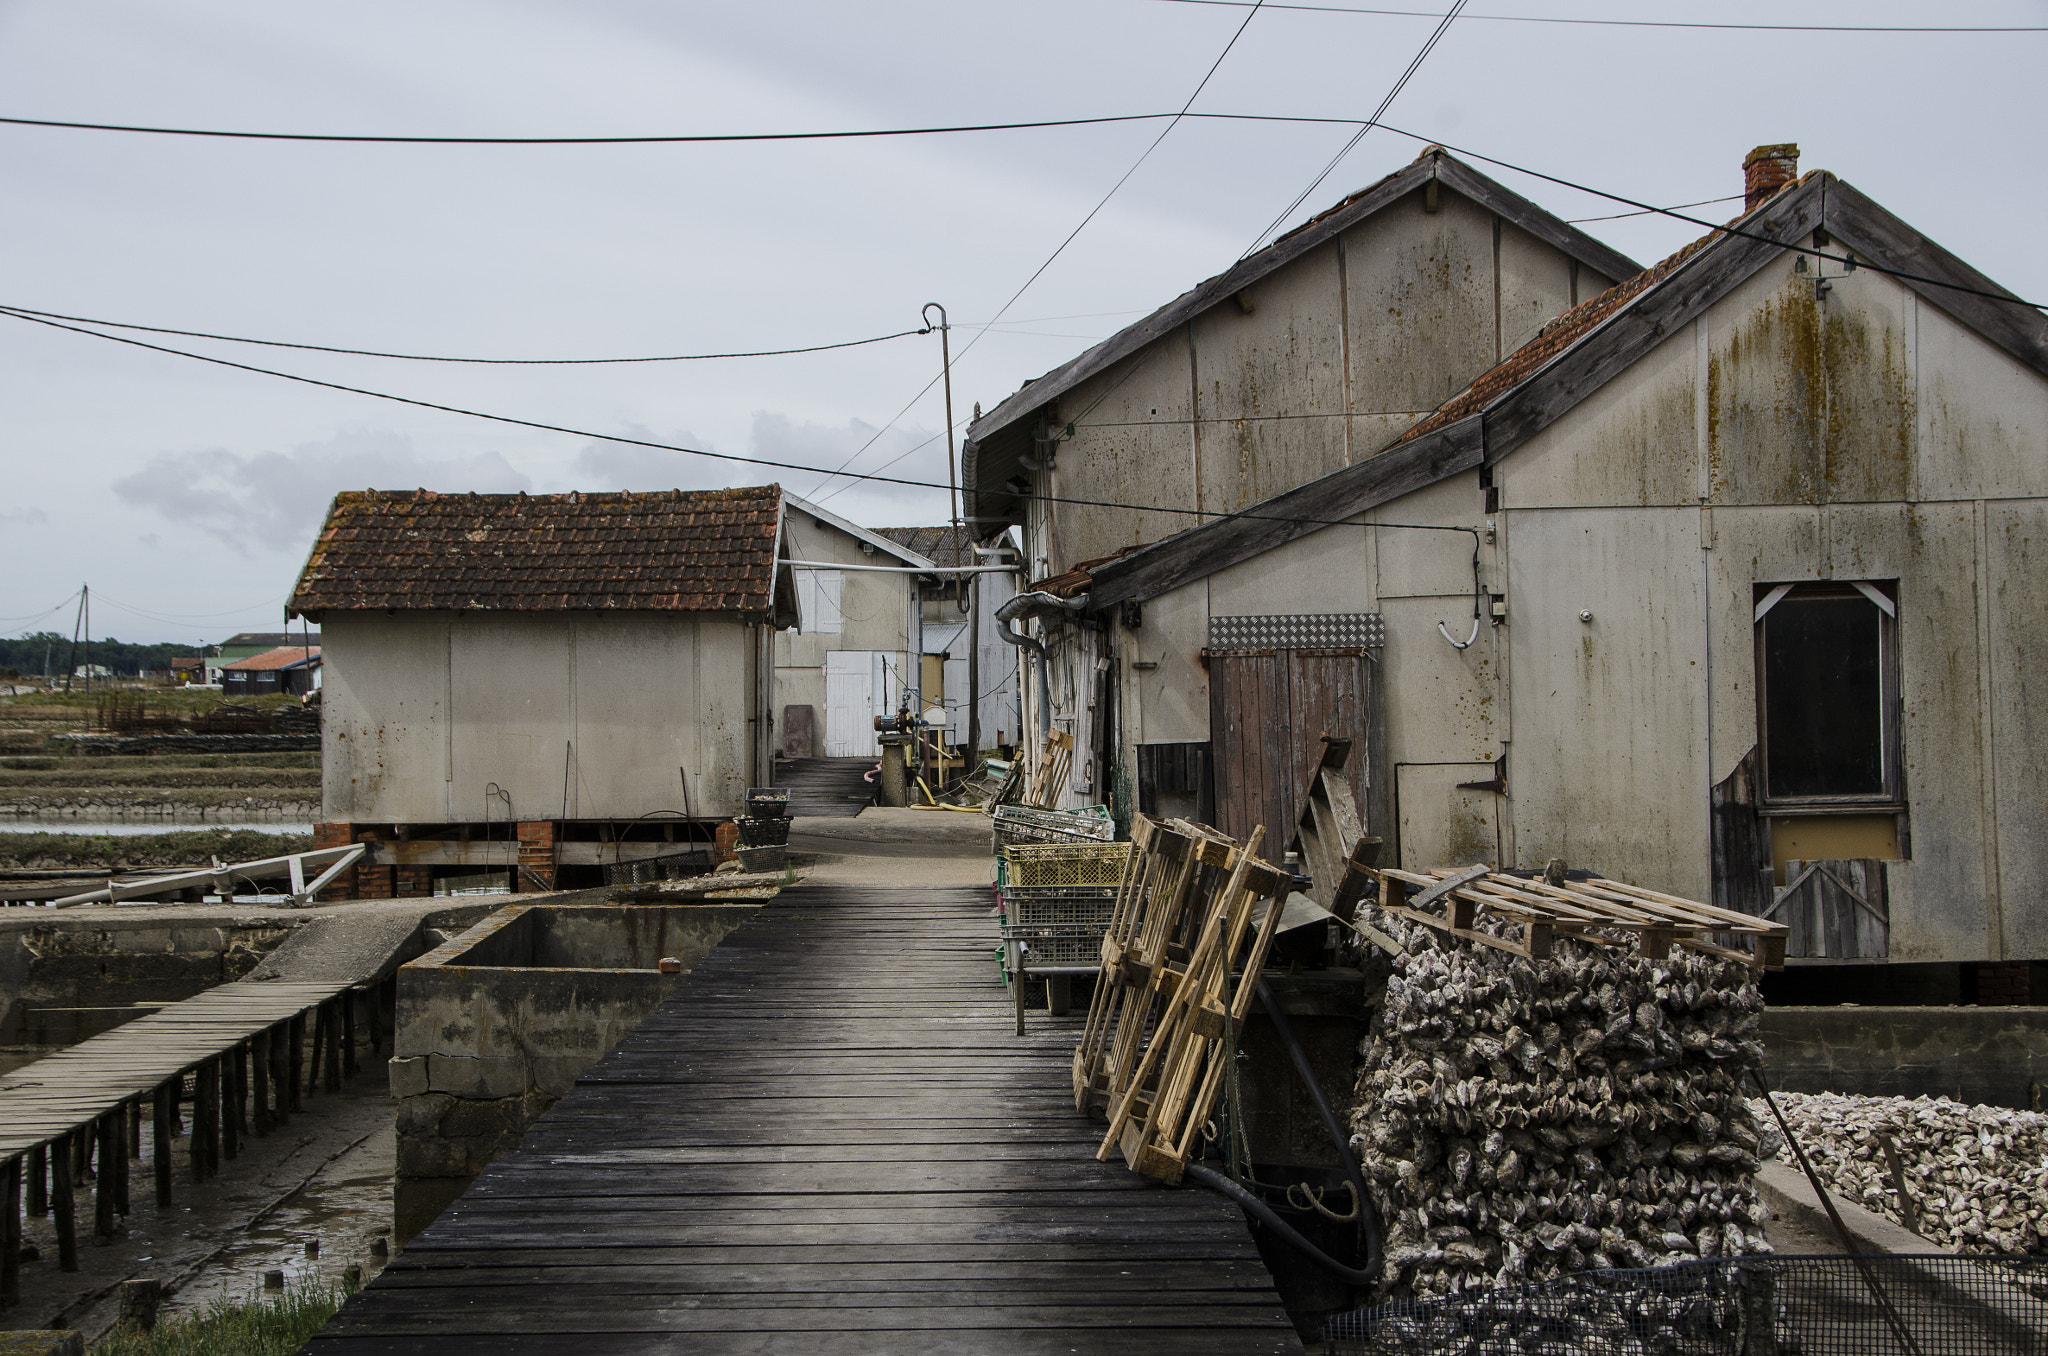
(1180, 963)
(1332, 841)
(1046, 786)
(1597, 911)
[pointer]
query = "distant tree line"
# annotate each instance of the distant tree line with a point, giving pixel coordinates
(52, 653)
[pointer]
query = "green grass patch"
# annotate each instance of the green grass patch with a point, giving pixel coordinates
(273, 1325)
(186, 847)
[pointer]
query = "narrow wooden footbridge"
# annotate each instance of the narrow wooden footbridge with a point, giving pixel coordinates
(236, 1057)
(827, 1140)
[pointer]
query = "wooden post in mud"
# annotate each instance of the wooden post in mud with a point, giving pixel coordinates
(160, 1138)
(62, 1205)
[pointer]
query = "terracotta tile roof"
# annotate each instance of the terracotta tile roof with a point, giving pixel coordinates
(1559, 335)
(283, 657)
(671, 551)
(933, 543)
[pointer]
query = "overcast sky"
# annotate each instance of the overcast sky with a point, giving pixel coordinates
(187, 495)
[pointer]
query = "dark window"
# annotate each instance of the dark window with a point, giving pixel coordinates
(1825, 660)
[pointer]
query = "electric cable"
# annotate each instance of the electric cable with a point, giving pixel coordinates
(647, 140)
(1436, 36)
(1639, 23)
(53, 608)
(437, 358)
(692, 451)
(1703, 202)
(1811, 252)
(1061, 248)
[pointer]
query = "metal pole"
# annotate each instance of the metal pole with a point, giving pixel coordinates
(946, 372)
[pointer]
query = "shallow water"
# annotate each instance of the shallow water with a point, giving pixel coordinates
(131, 827)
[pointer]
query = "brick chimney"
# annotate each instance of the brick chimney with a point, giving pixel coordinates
(1765, 170)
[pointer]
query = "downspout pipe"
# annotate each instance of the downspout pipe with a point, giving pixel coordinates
(1032, 604)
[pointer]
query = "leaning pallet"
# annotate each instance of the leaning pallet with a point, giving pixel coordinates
(1597, 911)
(1180, 964)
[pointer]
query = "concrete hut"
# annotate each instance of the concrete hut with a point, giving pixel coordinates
(542, 685)
(1732, 587)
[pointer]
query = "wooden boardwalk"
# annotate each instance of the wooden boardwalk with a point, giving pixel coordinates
(244, 1044)
(827, 1140)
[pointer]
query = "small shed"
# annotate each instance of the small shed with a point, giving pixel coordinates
(578, 671)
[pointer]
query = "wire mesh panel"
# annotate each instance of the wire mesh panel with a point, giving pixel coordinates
(1939, 1305)
(1055, 944)
(668, 866)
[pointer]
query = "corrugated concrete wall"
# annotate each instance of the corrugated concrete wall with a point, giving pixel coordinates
(575, 715)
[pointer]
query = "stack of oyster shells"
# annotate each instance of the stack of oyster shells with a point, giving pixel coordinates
(1977, 1176)
(1521, 1119)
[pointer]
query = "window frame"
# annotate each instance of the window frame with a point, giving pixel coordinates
(811, 586)
(1889, 799)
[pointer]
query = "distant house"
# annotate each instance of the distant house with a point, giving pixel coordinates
(188, 669)
(854, 653)
(288, 668)
(249, 644)
(542, 684)
(955, 665)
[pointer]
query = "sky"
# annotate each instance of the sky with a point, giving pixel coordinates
(187, 494)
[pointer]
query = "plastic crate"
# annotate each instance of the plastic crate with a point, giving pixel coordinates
(1067, 945)
(763, 831)
(768, 802)
(1059, 906)
(1029, 824)
(1062, 864)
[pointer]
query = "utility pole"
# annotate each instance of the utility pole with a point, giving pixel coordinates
(71, 655)
(953, 503)
(85, 606)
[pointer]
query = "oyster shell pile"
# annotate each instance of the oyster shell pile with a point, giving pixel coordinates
(1521, 1120)
(1977, 1175)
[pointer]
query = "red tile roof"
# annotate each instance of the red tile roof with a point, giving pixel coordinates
(283, 657)
(671, 551)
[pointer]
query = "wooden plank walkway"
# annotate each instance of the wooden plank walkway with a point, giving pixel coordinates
(245, 1046)
(827, 1140)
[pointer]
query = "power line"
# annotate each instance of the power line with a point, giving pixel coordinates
(435, 358)
(1649, 211)
(1640, 23)
(1436, 36)
(1726, 229)
(648, 140)
(1035, 273)
(1209, 514)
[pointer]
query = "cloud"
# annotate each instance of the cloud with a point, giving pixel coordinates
(27, 517)
(275, 500)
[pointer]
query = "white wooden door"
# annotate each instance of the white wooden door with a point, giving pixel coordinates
(850, 704)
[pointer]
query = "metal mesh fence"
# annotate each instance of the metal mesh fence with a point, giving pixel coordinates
(668, 866)
(1937, 1305)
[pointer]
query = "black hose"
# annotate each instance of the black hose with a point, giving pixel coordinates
(1267, 1216)
(1368, 1217)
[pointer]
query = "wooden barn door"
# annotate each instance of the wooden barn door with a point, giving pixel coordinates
(1269, 707)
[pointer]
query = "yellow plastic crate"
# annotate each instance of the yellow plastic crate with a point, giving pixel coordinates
(1040, 865)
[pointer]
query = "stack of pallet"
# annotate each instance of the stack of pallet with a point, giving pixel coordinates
(1180, 963)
